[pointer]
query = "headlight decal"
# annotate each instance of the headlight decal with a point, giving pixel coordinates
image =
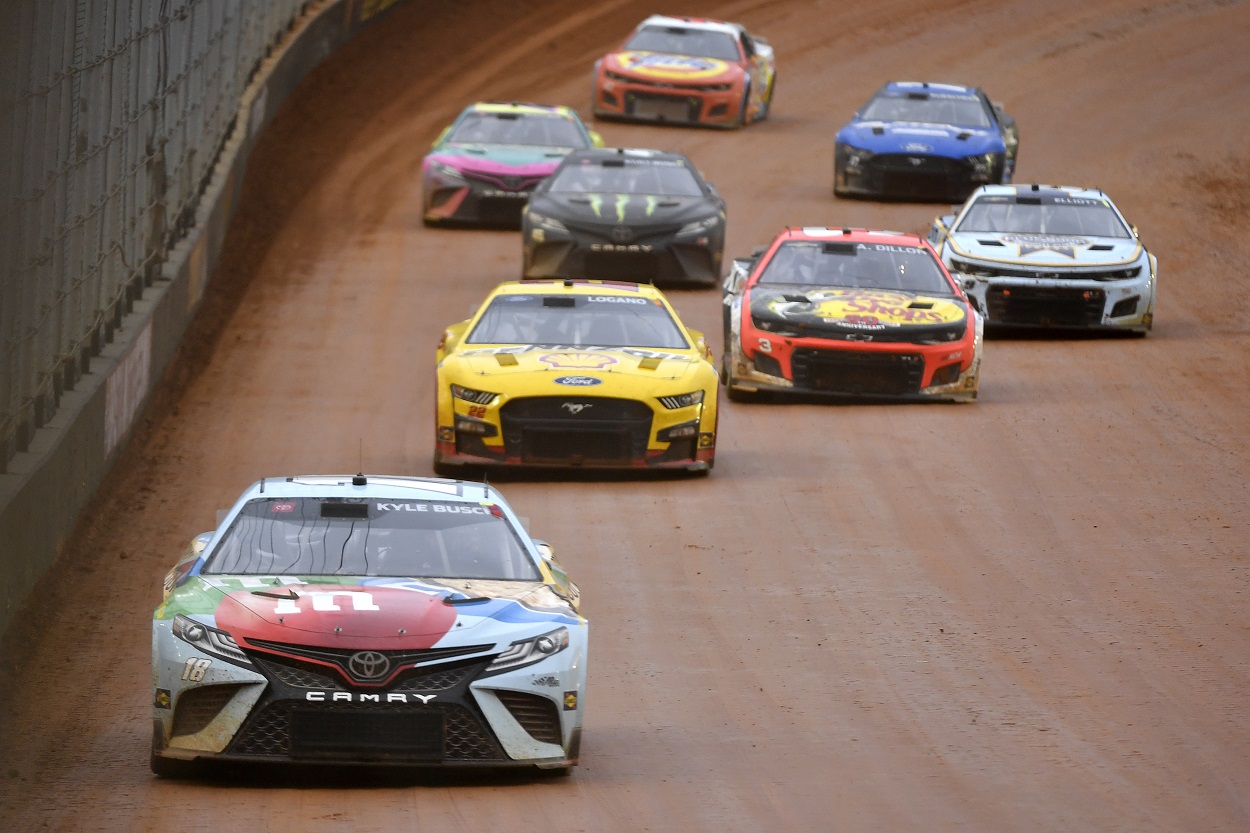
(529, 651)
(477, 397)
(209, 640)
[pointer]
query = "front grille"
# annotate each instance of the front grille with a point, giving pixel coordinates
(396, 732)
(850, 372)
(505, 182)
(1045, 306)
(321, 659)
(537, 715)
(639, 267)
(197, 707)
(505, 211)
(298, 675)
(662, 107)
(931, 175)
(585, 429)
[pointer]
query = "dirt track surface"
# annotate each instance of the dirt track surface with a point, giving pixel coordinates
(1027, 614)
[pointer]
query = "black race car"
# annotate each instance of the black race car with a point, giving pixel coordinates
(625, 214)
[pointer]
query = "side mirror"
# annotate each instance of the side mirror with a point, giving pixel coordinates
(1133, 229)
(545, 550)
(595, 139)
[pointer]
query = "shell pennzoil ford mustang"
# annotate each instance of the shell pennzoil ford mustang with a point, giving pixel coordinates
(483, 166)
(575, 373)
(1046, 256)
(687, 70)
(850, 312)
(368, 620)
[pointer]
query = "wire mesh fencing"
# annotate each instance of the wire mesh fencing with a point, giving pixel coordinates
(112, 115)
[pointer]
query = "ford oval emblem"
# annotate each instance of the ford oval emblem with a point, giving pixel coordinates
(579, 381)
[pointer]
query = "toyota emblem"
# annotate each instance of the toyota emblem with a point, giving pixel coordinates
(368, 665)
(916, 161)
(512, 183)
(622, 234)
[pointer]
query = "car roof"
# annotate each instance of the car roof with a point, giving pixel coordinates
(927, 86)
(578, 286)
(705, 23)
(524, 108)
(1038, 190)
(373, 486)
(632, 153)
(852, 235)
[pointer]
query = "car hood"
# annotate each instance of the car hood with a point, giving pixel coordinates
(832, 309)
(638, 210)
(399, 613)
(568, 369)
(1046, 249)
(662, 66)
(920, 138)
(510, 160)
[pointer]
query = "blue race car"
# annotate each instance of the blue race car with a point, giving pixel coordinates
(922, 141)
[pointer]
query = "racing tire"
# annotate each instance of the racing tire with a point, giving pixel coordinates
(444, 469)
(741, 121)
(838, 192)
(768, 100)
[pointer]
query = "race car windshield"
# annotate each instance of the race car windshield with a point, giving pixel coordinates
(517, 129)
(578, 321)
(661, 178)
(927, 109)
(856, 265)
(1043, 215)
(375, 537)
(677, 40)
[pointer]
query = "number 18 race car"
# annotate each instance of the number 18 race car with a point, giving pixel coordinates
(849, 312)
(368, 620)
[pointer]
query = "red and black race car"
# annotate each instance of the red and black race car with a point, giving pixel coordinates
(849, 312)
(686, 70)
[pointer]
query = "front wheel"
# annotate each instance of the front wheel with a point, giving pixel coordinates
(768, 100)
(746, 105)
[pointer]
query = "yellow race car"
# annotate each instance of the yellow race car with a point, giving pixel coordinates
(584, 373)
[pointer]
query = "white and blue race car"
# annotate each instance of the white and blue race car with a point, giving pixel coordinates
(1048, 256)
(368, 620)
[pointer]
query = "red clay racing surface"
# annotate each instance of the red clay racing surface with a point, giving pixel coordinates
(1025, 616)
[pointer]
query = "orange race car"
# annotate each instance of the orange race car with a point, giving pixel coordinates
(687, 70)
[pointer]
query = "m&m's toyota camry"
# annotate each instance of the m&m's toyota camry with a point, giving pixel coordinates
(687, 70)
(595, 374)
(370, 620)
(850, 312)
